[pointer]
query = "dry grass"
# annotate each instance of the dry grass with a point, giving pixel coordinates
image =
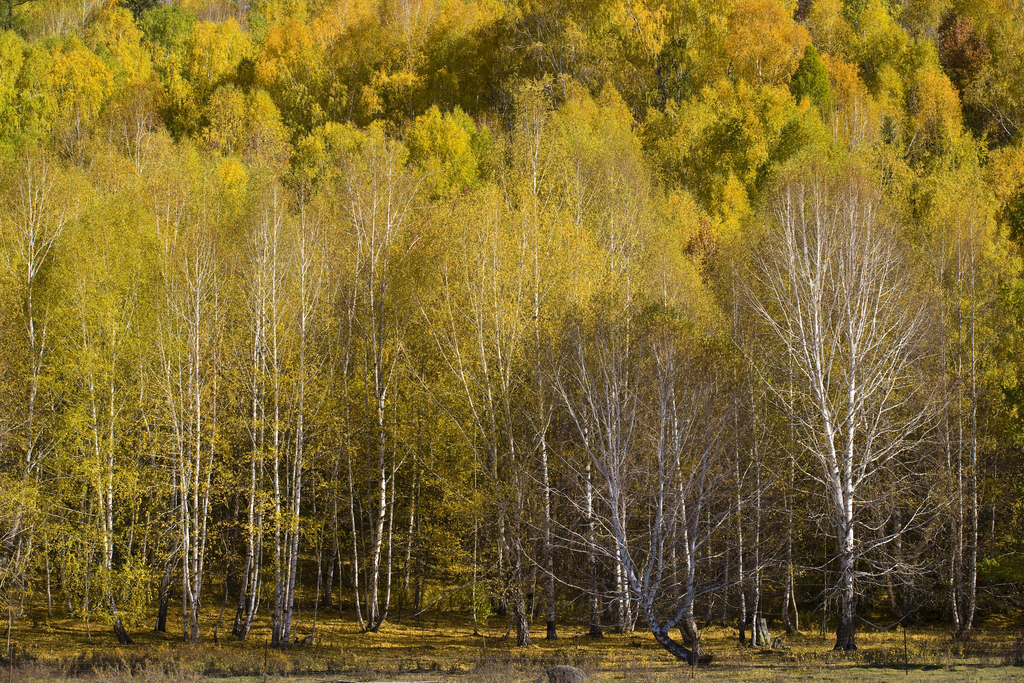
(443, 648)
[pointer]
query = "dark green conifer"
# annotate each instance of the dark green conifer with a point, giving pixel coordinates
(811, 80)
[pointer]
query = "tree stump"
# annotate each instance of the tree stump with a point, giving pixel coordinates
(763, 637)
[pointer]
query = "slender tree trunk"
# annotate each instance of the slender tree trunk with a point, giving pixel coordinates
(164, 597)
(390, 537)
(740, 572)
(335, 546)
(596, 631)
(972, 572)
(757, 637)
(688, 631)
(49, 595)
(791, 625)
(276, 370)
(955, 546)
(661, 635)
(520, 616)
(319, 575)
(119, 630)
(476, 532)
(223, 607)
(549, 553)
(380, 517)
(846, 629)
(355, 545)
(411, 530)
(248, 595)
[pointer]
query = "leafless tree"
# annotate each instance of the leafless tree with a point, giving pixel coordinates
(648, 418)
(833, 292)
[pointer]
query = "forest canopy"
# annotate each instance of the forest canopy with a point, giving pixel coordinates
(611, 311)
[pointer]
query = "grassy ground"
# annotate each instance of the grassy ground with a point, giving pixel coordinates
(443, 648)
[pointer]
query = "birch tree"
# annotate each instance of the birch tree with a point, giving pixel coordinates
(964, 251)
(306, 266)
(188, 369)
(37, 207)
(378, 198)
(836, 298)
(482, 333)
(105, 345)
(646, 413)
(260, 290)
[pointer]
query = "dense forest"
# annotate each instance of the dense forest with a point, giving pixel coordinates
(615, 313)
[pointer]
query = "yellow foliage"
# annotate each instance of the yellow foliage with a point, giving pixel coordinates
(764, 43)
(290, 66)
(854, 115)
(232, 179)
(285, 43)
(267, 136)
(460, 18)
(410, 22)
(1005, 171)
(684, 244)
(732, 130)
(875, 42)
(936, 112)
(226, 114)
(319, 154)
(443, 144)
(338, 18)
(116, 31)
(830, 31)
(215, 53)
(246, 124)
(733, 204)
(79, 81)
(277, 11)
(647, 24)
(12, 56)
(391, 94)
(889, 90)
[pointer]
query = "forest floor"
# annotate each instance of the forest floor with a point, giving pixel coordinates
(442, 648)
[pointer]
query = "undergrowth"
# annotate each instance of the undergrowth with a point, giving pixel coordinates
(445, 648)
